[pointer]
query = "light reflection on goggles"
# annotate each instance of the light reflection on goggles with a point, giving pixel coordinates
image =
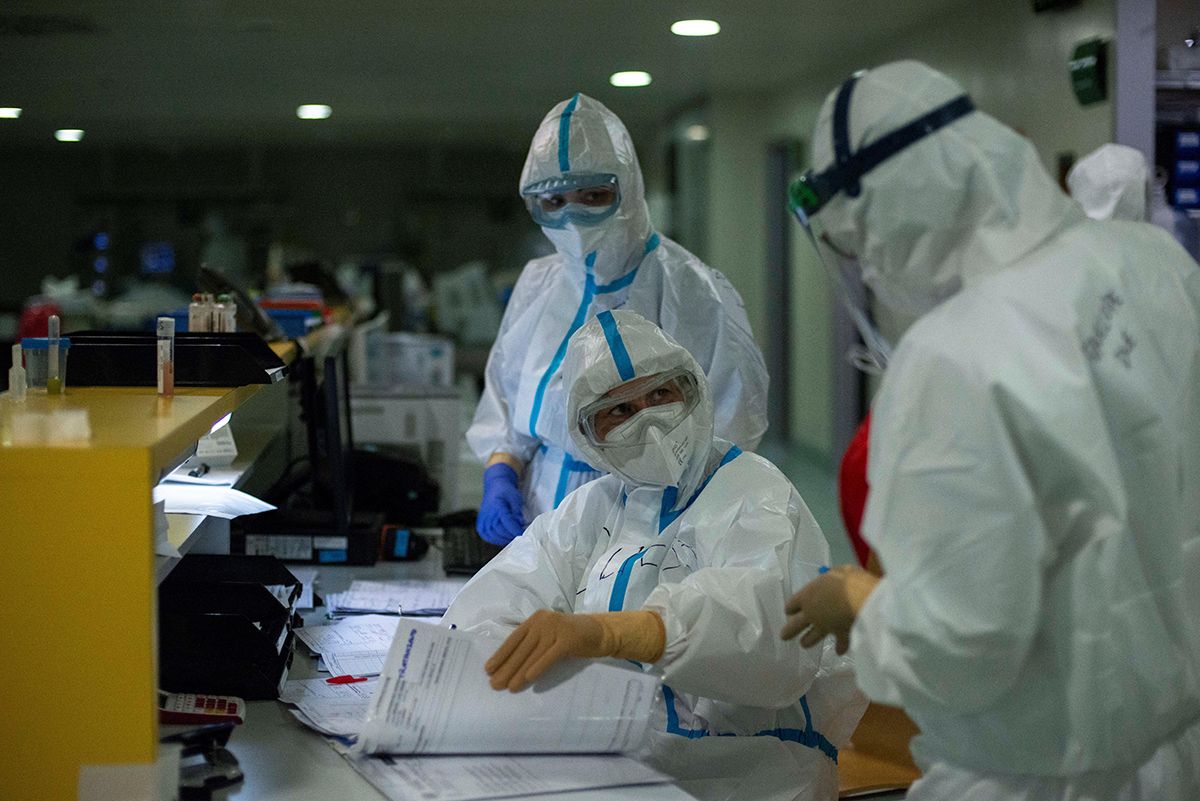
(579, 198)
(612, 420)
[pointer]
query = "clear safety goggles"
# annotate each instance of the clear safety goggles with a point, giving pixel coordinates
(626, 414)
(581, 198)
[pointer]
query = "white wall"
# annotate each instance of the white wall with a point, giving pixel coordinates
(1012, 62)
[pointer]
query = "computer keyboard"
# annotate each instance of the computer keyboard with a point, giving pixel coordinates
(463, 552)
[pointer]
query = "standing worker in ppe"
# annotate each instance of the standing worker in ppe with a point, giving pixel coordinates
(583, 186)
(681, 559)
(1034, 460)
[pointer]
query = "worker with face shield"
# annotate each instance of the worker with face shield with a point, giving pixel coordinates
(680, 559)
(1034, 460)
(583, 186)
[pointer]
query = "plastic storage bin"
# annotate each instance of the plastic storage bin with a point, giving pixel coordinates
(294, 322)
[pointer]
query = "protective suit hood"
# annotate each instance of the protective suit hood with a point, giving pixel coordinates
(580, 135)
(1110, 183)
(956, 205)
(616, 347)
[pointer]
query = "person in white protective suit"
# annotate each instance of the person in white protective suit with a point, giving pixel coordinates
(1111, 183)
(583, 186)
(1034, 460)
(681, 558)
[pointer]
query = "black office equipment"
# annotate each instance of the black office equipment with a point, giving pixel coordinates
(129, 359)
(225, 626)
(316, 520)
(463, 551)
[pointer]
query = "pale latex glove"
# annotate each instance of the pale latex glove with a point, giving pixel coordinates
(547, 638)
(828, 605)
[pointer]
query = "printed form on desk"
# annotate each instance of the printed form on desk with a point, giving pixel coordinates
(353, 647)
(434, 698)
(434, 703)
(453, 778)
(408, 597)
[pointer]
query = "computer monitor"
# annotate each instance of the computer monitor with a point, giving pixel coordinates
(325, 397)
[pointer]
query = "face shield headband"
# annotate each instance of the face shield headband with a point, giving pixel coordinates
(810, 192)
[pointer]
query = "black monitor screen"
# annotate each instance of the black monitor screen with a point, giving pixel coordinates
(325, 394)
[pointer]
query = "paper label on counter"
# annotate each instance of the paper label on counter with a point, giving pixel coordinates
(330, 543)
(285, 547)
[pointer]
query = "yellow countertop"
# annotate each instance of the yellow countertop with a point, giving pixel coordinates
(119, 418)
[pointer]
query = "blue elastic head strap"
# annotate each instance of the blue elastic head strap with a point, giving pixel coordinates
(809, 193)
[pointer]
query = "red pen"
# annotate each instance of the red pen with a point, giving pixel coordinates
(345, 679)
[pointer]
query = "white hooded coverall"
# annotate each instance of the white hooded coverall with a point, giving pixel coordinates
(1111, 183)
(622, 264)
(1034, 468)
(742, 715)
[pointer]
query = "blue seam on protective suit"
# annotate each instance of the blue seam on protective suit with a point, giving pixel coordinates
(616, 601)
(808, 737)
(569, 465)
(589, 291)
(616, 345)
(564, 135)
(666, 517)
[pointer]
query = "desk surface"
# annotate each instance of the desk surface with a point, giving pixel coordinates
(127, 419)
(284, 761)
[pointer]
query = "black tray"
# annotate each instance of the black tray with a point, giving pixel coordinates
(130, 359)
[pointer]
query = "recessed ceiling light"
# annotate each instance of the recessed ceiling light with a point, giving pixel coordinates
(68, 134)
(9, 113)
(696, 27)
(630, 78)
(314, 111)
(696, 133)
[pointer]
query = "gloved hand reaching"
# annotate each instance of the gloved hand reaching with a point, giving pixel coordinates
(546, 638)
(828, 605)
(500, 519)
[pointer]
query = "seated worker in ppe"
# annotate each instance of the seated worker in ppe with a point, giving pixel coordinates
(583, 186)
(1034, 460)
(1111, 183)
(681, 559)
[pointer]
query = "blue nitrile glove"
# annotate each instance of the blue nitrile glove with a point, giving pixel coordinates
(500, 518)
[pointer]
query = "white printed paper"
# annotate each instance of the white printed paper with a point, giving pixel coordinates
(368, 633)
(355, 663)
(299, 690)
(451, 778)
(214, 501)
(162, 543)
(307, 577)
(409, 597)
(434, 698)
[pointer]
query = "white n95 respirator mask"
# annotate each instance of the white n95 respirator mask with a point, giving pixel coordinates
(661, 440)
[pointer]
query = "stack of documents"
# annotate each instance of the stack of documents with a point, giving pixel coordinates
(352, 647)
(475, 778)
(415, 597)
(216, 501)
(433, 704)
(434, 698)
(336, 710)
